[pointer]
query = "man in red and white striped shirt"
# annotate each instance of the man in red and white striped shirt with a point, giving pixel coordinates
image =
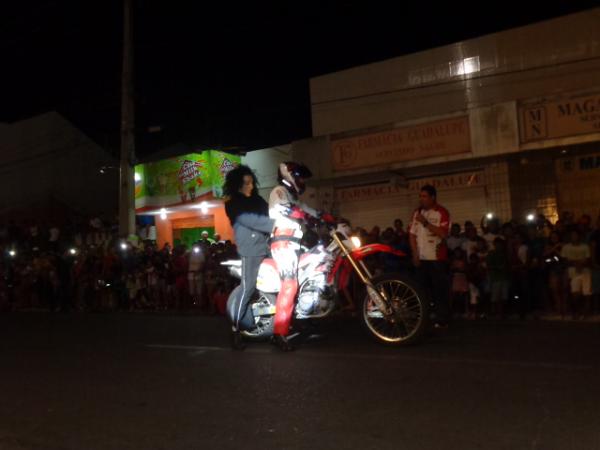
(428, 231)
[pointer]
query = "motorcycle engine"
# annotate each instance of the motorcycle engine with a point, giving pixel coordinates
(313, 300)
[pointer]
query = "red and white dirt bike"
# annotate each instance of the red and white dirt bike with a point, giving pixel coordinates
(394, 308)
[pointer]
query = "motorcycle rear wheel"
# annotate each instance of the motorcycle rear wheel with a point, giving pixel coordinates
(264, 324)
(410, 305)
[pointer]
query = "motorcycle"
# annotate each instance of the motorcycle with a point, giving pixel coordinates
(394, 310)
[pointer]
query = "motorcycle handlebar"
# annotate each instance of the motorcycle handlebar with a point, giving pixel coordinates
(314, 222)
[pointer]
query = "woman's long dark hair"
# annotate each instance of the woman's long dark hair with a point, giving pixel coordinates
(235, 179)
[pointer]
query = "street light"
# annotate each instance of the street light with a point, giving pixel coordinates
(489, 216)
(530, 217)
(136, 176)
(202, 206)
(105, 169)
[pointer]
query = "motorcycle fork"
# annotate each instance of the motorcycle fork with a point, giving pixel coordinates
(365, 276)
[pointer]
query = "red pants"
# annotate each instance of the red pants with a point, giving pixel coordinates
(286, 257)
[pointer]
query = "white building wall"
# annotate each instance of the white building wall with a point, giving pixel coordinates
(487, 79)
(265, 163)
(554, 56)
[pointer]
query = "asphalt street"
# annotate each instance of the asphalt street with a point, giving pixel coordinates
(144, 381)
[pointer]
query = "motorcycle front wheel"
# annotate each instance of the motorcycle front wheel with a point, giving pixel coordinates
(409, 305)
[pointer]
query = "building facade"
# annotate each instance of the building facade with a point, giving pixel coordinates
(49, 168)
(508, 123)
(182, 196)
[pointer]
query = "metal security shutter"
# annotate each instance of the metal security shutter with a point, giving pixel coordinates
(464, 204)
(580, 196)
(381, 212)
(578, 184)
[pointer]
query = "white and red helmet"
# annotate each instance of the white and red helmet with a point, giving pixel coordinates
(291, 175)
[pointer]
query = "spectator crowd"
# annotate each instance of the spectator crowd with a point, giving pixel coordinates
(513, 269)
(86, 267)
(496, 269)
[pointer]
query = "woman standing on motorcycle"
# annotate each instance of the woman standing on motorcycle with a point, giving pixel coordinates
(248, 213)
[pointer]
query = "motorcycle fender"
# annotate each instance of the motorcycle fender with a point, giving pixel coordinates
(371, 249)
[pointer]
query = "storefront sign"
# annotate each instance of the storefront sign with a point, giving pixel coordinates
(182, 179)
(578, 166)
(589, 162)
(568, 117)
(369, 192)
(385, 190)
(448, 182)
(446, 137)
(220, 164)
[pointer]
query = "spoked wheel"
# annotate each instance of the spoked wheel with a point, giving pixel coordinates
(410, 310)
(265, 322)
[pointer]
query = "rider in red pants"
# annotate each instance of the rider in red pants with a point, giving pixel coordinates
(285, 242)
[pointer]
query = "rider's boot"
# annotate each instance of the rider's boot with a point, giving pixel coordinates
(309, 332)
(283, 343)
(237, 342)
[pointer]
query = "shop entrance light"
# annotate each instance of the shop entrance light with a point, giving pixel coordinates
(203, 207)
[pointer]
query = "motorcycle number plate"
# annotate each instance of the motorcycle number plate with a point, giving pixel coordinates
(263, 310)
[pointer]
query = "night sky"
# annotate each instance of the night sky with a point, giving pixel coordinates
(217, 75)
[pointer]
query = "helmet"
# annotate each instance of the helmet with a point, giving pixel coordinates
(292, 176)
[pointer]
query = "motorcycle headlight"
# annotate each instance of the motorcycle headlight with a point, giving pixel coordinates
(356, 242)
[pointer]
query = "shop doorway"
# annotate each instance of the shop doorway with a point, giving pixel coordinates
(189, 236)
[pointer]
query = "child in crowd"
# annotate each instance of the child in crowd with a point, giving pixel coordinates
(498, 267)
(460, 284)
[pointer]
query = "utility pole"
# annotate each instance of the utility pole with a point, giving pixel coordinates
(127, 186)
